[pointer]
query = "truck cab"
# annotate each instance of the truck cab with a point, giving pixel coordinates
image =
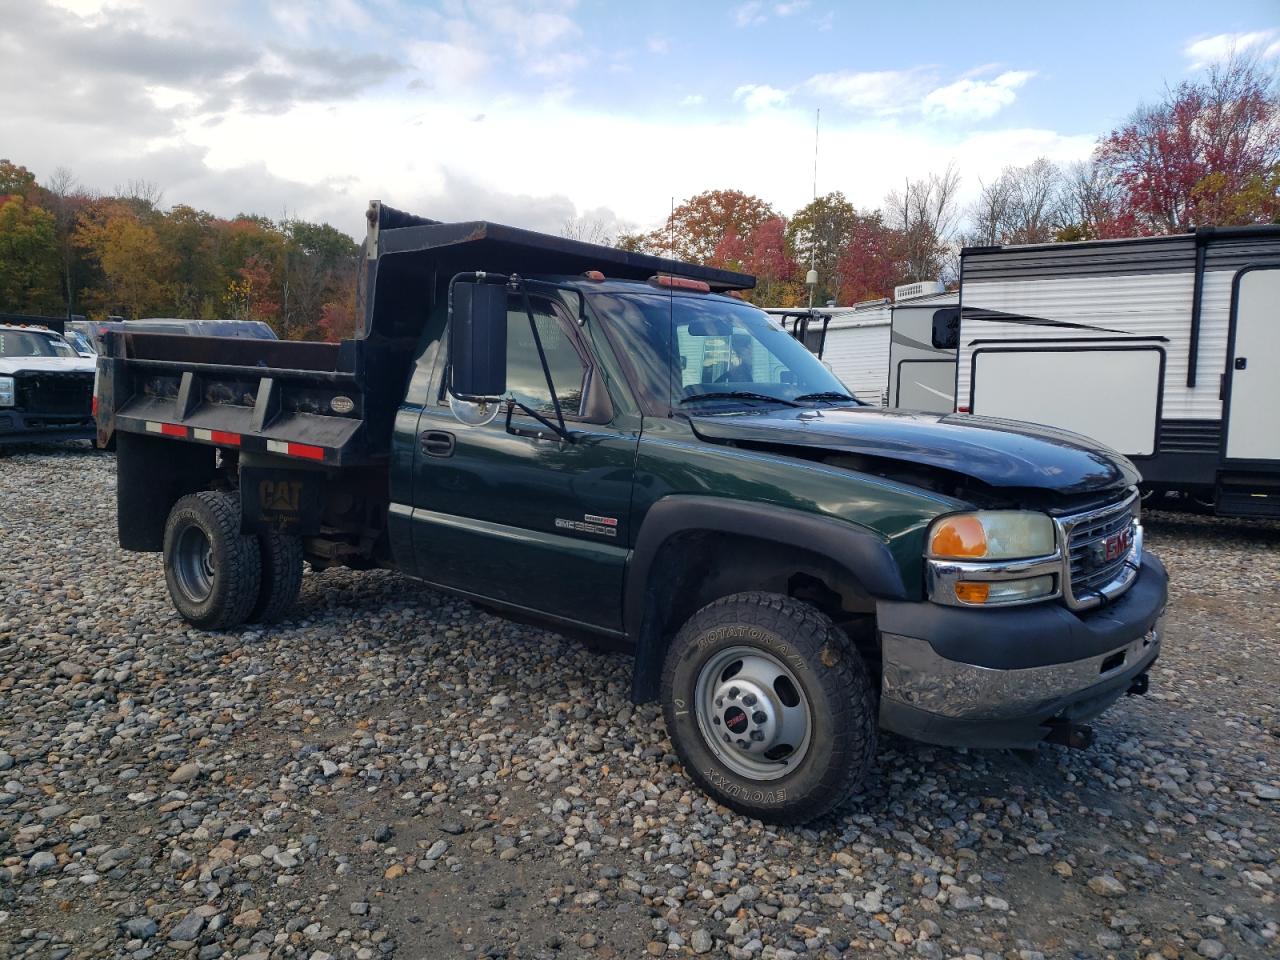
(615, 446)
(46, 386)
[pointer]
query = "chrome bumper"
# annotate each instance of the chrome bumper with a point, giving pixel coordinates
(916, 676)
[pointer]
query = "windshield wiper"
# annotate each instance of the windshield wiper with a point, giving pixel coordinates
(831, 395)
(737, 395)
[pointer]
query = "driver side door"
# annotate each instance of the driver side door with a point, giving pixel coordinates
(527, 519)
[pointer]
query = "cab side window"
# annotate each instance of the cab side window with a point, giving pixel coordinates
(525, 379)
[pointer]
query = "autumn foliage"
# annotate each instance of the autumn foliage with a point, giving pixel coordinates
(63, 251)
(1207, 153)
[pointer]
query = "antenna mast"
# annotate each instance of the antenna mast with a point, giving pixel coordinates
(812, 278)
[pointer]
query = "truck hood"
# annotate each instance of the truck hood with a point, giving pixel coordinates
(12, 365)
(999, 453)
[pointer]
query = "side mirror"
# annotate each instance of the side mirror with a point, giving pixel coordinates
(477, 339)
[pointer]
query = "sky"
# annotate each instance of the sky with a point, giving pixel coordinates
(536, 112)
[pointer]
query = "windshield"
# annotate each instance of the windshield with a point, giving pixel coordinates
(79, 341)
(26, 343)
(726, 354)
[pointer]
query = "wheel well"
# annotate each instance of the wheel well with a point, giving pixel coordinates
(695, 568)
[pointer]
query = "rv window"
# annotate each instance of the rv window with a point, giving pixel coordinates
(946, 328)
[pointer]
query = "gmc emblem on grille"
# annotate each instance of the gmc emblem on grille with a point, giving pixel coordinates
(1111, 548)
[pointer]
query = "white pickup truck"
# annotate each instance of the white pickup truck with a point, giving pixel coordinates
(46, 387)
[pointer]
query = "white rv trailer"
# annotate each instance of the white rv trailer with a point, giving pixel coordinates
(852, 341)
(922, 355)
(1167, 349)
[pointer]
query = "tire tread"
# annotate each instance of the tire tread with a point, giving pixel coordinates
(236, 587)
(854, 711)
(281, 576)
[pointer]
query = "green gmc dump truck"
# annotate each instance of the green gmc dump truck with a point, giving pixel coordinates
(613, 445)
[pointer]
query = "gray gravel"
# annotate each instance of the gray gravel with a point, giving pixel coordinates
(392, 772)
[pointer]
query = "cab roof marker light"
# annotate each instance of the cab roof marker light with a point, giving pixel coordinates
(593, 275)
(680, 283)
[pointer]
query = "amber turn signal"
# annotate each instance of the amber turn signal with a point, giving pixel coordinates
(973, 592)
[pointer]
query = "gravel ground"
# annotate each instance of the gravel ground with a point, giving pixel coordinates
(392, 772)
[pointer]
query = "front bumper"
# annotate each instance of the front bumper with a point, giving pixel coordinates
(999, 678)
(20, 426)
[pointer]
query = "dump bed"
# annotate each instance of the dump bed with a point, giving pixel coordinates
(295, 399)
(335, 403)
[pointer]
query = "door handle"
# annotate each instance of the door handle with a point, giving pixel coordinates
(436, 443)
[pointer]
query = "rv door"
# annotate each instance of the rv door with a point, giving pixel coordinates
(1254, 368)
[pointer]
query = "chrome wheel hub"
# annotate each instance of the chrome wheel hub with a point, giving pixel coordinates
(752, 713)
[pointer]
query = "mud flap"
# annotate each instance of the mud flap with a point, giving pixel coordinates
(286, 501)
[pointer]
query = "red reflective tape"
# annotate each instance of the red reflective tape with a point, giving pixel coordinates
(306, 450)
(228, 439)
(93, 407)
(173, 430)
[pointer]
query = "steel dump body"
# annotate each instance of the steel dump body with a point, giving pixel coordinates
(334, 404)
(252, 395)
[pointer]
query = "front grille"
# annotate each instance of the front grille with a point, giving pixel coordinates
(66, 393)
(1096, 578)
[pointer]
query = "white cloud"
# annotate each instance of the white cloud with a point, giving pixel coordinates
(879, 92)
(970, 99)
(1207, 50)
(165, 101)
(658, 44)
(787, 9)
(749, 14)
(759, 96)
(448, 65)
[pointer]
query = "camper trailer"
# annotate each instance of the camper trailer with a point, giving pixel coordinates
(1166, 349)
(852, 341)
(922, 353)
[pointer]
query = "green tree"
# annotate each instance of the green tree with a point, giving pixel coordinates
(815, 237)
(28, 258)
(196, 278)
(133, 259)
(17, 181)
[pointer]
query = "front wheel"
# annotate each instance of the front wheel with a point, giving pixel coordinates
(770, 707)
(211, 568)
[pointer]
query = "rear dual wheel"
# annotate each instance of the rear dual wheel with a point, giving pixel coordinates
(770, 707)
(218, 577)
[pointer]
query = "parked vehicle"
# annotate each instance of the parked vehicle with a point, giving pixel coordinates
(250, 329)
(922, 353)
(852, 341)
(46, 388)
(602, 442)
(1163, 348)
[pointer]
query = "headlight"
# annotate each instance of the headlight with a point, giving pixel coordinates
(992, 535)
(993, 557)
(6, 391)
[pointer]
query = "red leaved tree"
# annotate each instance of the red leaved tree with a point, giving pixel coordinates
(1205, 154)
(869, 263)
(696, 227)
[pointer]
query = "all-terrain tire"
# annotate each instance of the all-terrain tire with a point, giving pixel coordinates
(219, 592)
(281, 576)
(832, 678)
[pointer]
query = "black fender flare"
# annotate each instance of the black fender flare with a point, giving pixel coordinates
(862, 552)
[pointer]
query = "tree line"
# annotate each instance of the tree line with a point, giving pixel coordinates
(65, 250)
(1206, 153)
